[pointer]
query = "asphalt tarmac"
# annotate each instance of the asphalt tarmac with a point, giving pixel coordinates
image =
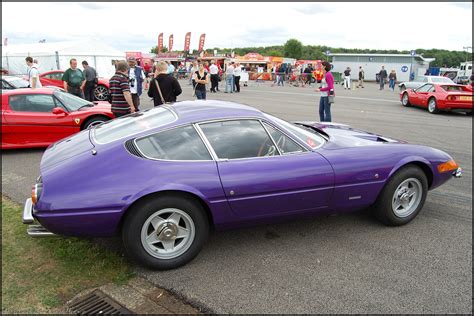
(330, 264)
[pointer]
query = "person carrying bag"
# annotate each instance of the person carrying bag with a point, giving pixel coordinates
(164, 88)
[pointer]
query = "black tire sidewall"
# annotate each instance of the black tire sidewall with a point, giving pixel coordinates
(138, 214)
(383, 206)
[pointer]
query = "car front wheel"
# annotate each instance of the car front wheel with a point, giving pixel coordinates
(433, 106)
(402, 197)
(166, 232)
(101, 93)
(93, 121)
(405, 99)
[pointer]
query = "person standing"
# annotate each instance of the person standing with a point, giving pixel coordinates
(229, 78)
(146, 70)
(74, 80)
(237, 73)
(202, 78)
(327, 88)
(171, 68)
(168, 85)
(392, 79)
(361, 77)
(192, 74)
(33, 73)
(214, 72)
(136, 77)
(382, 77)
(91, 80)
(347, 78)
(121, 103)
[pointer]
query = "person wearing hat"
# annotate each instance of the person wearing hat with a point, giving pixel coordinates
(136, 76)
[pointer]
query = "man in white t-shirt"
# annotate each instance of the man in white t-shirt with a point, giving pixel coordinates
(136, 76)
(214, 71)
(33, 73)
(237, 72)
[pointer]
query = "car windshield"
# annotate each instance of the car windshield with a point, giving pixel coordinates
(71, 102)
(441, 79)
(310, 137)
(133, 124)
(17, 82)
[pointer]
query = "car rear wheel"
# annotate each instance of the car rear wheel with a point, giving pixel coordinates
(166, 232)
(101, 93)
(93, 121)
(405, 99)
(403, 197)
(433, 106)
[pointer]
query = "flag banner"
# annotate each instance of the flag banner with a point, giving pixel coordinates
(160, 42)
(187, 41)
(201, 42)
(170, 46)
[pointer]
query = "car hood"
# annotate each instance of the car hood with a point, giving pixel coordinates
(344, 136)
(66, 149)
(98, 106)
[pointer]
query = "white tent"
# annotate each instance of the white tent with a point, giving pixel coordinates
(54, 56)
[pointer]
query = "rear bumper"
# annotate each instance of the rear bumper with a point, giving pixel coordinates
(33, 230)
(457, 106)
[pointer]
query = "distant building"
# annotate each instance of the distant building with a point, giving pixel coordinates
(404, 64)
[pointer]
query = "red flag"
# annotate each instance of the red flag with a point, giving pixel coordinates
(187, 41)
(160, 42)
(170, 46)
(201, 42)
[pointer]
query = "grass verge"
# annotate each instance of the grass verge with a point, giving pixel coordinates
(40, 274)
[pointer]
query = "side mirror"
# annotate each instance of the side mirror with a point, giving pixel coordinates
(59, 111)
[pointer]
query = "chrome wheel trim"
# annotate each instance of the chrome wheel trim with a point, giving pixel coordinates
(94, 123)
(407, 197)
(167, 233)
(405, 99)
(432, 105)
(101, 93)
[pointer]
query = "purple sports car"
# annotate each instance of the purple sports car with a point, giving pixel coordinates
(162, 178)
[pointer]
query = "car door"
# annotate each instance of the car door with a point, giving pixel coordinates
(259, 177)
(422, 94)
(53, 79)
(29, 120)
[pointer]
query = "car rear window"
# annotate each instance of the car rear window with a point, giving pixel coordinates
(182, 143)
(452, 88)
(132, 124)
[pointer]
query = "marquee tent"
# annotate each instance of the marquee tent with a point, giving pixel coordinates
(56, 55)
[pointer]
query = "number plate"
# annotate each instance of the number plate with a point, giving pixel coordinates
(465, 98)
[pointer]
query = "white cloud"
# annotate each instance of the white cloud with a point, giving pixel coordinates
(402, 25)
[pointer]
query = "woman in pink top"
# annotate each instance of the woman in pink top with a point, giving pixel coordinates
(327, 88)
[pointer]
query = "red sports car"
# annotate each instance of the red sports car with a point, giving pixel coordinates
(53, 78)
(39, 117)
(439, 97)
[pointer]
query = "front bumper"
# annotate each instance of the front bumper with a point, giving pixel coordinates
(457, 173)
(33, 230)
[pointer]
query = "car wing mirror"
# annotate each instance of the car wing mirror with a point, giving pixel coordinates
(59, 111)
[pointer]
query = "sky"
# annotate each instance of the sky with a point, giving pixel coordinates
(134, 26)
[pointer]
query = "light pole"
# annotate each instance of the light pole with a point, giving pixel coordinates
(466, 48)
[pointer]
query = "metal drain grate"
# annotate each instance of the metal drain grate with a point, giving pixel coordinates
(97, 302)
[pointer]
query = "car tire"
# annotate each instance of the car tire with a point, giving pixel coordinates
(433, 106)
(101, 93)
(166, 232)
(405, 99)
(403, 197)
(94, 121)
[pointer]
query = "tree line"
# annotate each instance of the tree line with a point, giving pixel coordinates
(293, 48)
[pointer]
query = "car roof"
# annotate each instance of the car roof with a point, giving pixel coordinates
(29, 91)
(206, 110)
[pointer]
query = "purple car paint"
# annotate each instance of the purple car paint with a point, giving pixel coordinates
(88, 186)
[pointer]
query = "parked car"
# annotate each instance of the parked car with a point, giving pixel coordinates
(419, 81)
(39, 117)
(53, 78)
(162, 178)
(438, 97)
(13, 82)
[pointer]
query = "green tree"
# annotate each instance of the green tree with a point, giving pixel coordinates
(293, 48)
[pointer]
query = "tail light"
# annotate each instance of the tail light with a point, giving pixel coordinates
(452, 97)
(36, 191)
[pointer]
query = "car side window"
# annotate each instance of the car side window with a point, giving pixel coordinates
(31, 103)
(425, 88)
(285, 144)
(239, 139)
(182, 143)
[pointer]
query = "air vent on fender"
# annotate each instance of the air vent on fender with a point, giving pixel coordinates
(131, 148)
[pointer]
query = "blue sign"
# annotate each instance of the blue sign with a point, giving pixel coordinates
(328, 52)
(404, 68)
(413, 53)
